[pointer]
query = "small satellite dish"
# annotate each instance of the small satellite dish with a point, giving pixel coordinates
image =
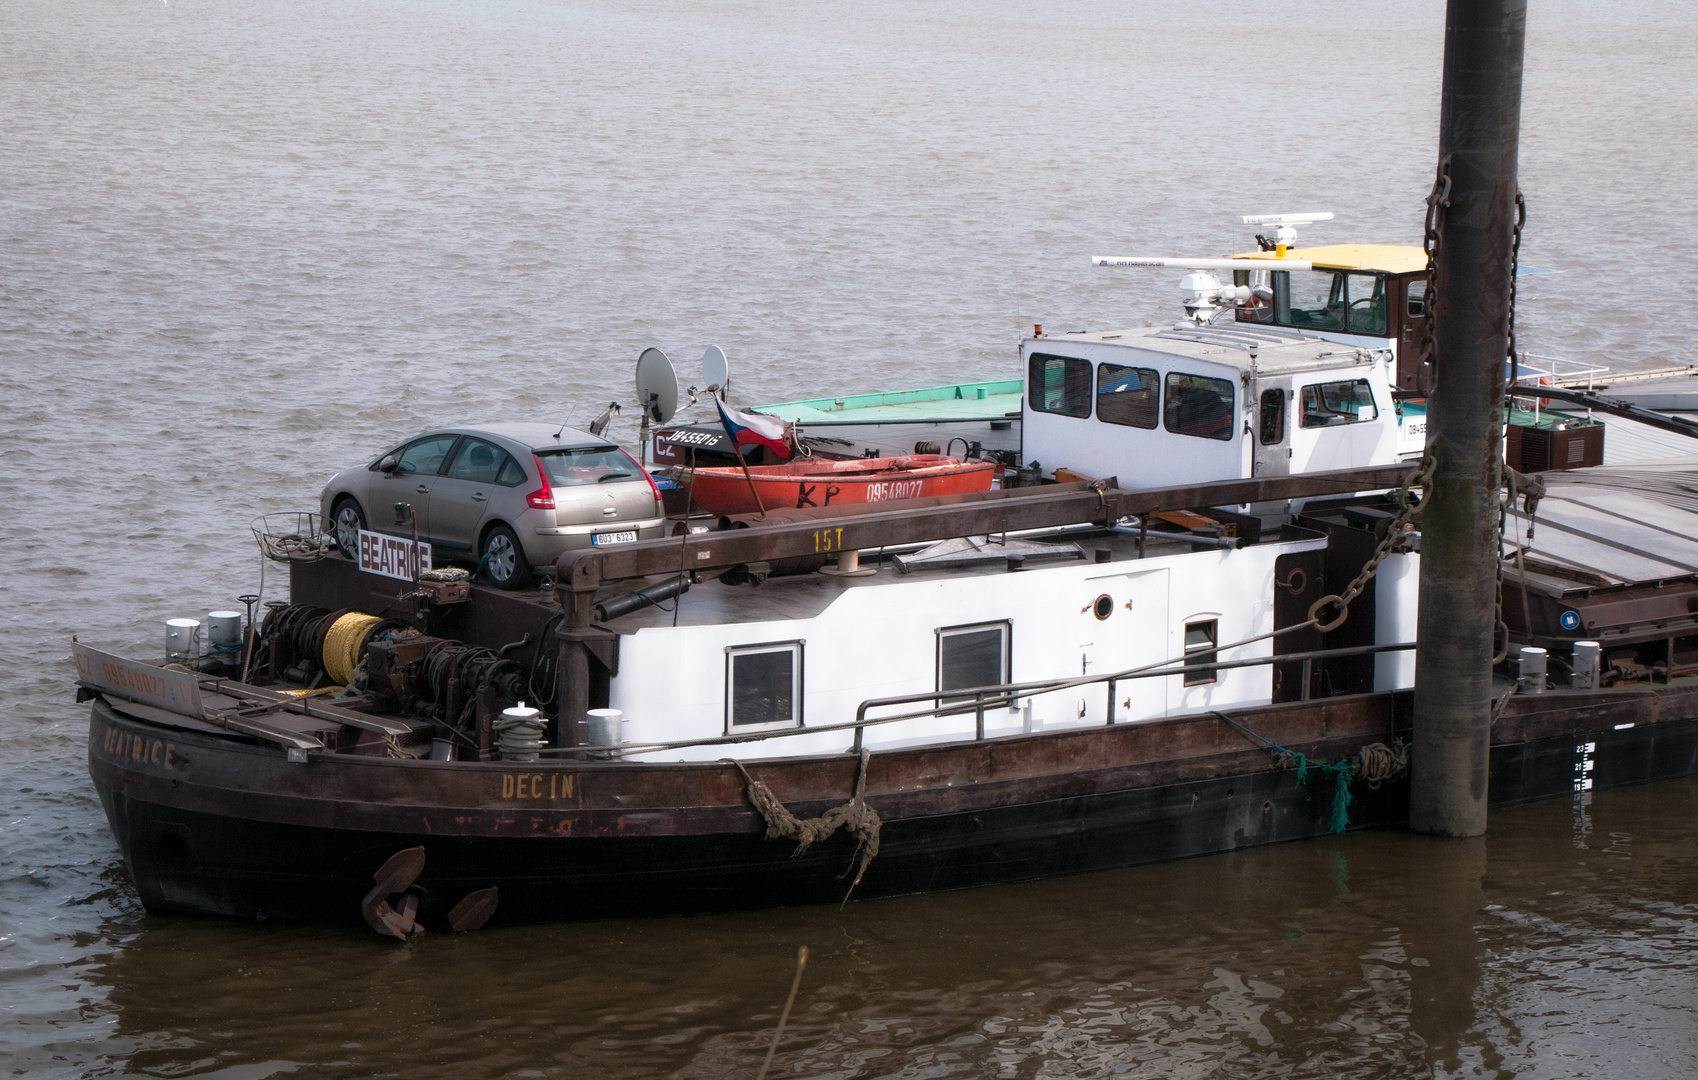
(657, 386)
(716, 370)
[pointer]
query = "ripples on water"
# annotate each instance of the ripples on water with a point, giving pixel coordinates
(243, 244)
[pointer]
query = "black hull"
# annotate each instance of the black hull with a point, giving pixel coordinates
(191, 860)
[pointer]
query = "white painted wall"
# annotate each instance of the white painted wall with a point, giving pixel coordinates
(1396, 592)
(879, 640)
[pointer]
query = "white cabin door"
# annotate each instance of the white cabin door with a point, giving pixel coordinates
(1123, 624)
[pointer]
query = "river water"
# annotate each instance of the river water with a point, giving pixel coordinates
(244, 244)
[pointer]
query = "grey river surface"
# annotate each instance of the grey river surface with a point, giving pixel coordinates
(244, 244)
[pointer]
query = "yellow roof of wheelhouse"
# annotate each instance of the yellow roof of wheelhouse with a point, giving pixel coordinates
(1386, 258)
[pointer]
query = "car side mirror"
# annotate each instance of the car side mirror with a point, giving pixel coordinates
(387, 463)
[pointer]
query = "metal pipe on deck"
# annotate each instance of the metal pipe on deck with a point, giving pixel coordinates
(1473, 227)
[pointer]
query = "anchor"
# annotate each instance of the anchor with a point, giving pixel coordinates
(397, 875)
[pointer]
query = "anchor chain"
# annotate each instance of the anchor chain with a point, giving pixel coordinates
(1394, 534)
(1438, 201)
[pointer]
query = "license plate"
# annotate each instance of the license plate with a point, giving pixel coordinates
(613, 538)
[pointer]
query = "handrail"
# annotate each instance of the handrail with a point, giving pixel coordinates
(1007, 692)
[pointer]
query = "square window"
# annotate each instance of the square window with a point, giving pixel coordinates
(1059, 384)
(1200, 641)
(1198, 405)
(1127, 395)
(1335, 404)
(763, 686)
(969, 656)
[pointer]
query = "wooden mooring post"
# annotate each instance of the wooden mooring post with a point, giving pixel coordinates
(1470, 234)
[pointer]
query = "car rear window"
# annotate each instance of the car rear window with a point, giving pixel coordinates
(598, 465)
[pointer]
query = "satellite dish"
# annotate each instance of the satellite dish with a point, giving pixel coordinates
(716, 370)
(657, 386)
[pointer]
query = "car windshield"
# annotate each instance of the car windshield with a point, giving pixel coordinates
(598, 465)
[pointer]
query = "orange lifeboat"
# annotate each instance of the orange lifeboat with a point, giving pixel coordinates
(803, 484)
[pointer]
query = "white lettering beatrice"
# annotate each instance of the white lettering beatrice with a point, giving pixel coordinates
(392, 556)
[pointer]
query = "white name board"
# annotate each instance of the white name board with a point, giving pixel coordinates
(178, 691)
(392, 556)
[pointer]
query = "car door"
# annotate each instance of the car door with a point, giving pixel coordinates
(460, 499)
(408, 484)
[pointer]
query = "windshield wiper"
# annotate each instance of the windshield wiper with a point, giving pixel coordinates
(605, 477)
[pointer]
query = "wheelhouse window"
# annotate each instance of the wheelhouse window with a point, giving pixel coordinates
(480, 462)
(1200, 642)
(1365, 297)
(763, 686)
(596, 465)
(1128, 395)
(1198, 405)
(1335, 404)
(1273, 417)
(976, 655)
(1059, 384)
(1315, 299)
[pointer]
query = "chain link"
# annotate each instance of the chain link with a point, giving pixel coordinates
(1437, 203)
(1394, 534)
(1514, 269)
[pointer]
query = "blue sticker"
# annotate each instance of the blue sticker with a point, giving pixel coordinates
(1570, 620)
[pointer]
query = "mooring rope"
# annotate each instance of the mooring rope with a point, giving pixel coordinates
(1375, 763)
(860, 820)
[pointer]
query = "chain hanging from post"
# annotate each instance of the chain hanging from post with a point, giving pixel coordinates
(1514, 270)
(1408, 505)
(1500, 629)
(1437, 203)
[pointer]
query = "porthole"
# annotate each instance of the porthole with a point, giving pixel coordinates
(1104, 606)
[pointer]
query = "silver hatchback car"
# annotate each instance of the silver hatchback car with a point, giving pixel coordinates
(506, 496)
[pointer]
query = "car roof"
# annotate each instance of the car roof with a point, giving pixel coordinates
(538, 437)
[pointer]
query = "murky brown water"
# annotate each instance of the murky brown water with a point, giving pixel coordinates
(243, 244)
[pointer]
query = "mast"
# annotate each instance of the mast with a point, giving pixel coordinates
(1471, 228)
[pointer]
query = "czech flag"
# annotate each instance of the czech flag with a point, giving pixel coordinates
(755, 429)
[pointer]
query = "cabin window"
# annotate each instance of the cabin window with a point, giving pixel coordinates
(1316, 299)
(976, 655)
(1200, 642)
(1335, 404)
(1198, 405)
(1273, 417)
(763, 686)
(1059, 384)
(1128, 395)
(1366, 296)
(478, 461)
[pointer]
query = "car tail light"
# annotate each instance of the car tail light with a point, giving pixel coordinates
(542, 498)
(653, 487)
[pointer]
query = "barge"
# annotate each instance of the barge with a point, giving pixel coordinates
(1185, 626)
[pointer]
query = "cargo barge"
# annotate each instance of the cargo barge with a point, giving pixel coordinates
(1090, 667)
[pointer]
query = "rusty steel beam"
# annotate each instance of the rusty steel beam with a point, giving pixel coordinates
(587, 570)
(1473, 226)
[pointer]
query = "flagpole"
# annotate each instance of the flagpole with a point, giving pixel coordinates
(739, 451)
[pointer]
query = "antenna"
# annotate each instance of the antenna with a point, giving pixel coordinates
(1284, 233)
(716, 370)
(657, 392)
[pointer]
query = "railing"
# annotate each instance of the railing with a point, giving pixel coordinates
(977, 699)
(1560, 372)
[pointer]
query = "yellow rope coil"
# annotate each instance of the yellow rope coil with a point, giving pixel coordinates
(342, 645)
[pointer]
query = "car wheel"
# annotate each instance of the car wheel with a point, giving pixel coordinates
(504, 560)
(347, 520)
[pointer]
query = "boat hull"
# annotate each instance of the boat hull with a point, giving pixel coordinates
(235, 829)
(802, 485)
